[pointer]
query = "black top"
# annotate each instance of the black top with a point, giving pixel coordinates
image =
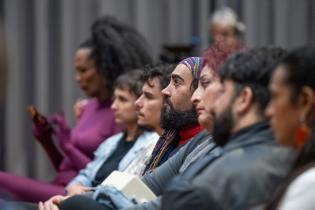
(113, 161)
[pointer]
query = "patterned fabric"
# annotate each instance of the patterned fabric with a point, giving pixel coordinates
(194, 64)
(160, 148)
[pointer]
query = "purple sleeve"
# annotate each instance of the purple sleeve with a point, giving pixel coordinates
(44, 137)
(63, 134)
(94, 125)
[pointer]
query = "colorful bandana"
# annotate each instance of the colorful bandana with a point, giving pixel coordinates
(194, 64)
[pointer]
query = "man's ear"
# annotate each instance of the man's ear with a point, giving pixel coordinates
(244, 100)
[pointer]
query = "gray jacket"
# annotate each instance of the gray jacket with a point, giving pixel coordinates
(247, 169)
(158, 179)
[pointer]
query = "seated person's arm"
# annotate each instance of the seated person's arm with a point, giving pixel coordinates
(158, 179)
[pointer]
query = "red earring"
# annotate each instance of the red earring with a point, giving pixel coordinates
(302, 134)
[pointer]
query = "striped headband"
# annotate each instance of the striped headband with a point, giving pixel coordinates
(194, 64)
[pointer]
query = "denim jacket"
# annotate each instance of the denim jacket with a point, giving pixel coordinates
(103, 152)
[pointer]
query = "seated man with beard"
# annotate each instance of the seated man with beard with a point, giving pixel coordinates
(250, 164)
(178, 117)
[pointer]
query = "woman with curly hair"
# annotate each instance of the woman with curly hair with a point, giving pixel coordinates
(112, 49)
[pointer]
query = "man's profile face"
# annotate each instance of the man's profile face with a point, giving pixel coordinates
(179, 90)
(149, 104)
(178, 111)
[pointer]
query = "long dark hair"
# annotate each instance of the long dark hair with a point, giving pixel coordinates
(300, 71)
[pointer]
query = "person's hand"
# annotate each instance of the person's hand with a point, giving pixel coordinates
(52, 203)
(62, 130)
(76, 189)
(42, 131)
(77, 107)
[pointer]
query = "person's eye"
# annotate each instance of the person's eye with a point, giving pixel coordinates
(176, 82)
(148, 96)
(123, 99)
(205, 83)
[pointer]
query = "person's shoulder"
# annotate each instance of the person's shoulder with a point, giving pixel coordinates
(306, 179)
(256, 159)
(116, 136)
(149, 135)
(300, 193)
(112, 139)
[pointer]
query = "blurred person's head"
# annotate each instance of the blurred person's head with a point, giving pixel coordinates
(113, 48)
(225, 27)
(207, 91)
(178, 111)
(291, 113)
(244, 91)
(292, 106)
(126, 91)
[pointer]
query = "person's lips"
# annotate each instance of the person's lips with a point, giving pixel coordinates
(140, 114)
(199, 109)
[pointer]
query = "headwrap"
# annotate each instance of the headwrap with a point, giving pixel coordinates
(194, 64)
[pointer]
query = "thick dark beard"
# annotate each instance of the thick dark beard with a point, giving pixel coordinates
(172, 119)
(222, 126)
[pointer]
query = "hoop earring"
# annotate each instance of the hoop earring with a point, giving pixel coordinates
(302, 134)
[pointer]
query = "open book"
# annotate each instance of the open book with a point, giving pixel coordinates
(130, 185)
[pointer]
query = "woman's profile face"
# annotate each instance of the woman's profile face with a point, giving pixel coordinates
(282, 110)
(88, 77)
(205, 93)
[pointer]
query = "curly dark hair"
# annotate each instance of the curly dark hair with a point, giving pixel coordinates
(162, 71)
(116, 48)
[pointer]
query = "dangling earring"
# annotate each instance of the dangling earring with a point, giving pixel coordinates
(302, 134)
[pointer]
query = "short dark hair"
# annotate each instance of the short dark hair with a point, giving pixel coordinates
(253, 69)
(131, 81)
(161, 71)
(116, 48)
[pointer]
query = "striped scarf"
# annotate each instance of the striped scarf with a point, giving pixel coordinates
(160, 148)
